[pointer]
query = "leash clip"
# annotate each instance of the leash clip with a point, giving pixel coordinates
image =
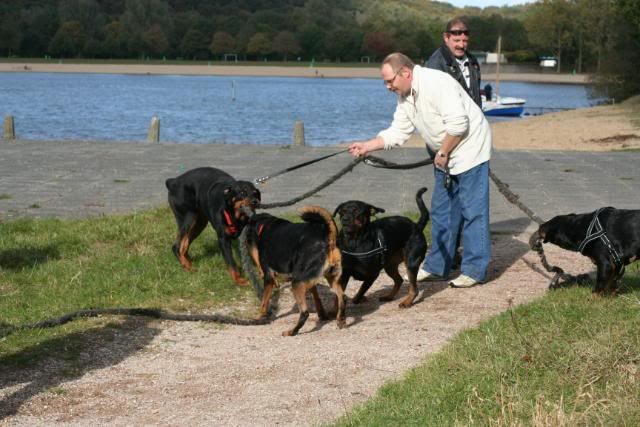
(261, 180)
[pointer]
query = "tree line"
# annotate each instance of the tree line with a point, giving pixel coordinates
(595, 36)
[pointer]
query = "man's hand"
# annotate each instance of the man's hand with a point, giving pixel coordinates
(441, 160)
(358, 149)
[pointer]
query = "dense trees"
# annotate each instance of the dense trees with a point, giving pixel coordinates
(596, 36)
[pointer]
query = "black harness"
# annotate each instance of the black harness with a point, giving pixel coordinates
(379, 250)
(596, 231)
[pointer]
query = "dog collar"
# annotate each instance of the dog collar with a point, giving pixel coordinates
(231, 228)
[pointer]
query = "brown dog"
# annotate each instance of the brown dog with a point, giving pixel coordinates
(305, 252)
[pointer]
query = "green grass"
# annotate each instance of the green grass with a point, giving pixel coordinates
(50, 267)
(566, 359)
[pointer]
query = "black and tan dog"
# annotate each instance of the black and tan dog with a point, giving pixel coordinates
(369, 246)
(305, 252)
(204, 195)
(609, 237)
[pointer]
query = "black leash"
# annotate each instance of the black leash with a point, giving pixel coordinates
(143, 312)
(265, 178)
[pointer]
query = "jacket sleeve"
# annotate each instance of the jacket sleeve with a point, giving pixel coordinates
(451, 106)
(400, 130)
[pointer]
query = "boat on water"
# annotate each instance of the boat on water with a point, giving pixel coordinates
(503, 106)
(495, 105)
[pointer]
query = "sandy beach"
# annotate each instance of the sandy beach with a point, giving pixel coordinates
(263, 70)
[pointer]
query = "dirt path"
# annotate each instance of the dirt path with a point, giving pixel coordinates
(150, 373)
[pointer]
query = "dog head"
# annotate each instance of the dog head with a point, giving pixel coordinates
(355, 215)
(561, 230)
(242, 198)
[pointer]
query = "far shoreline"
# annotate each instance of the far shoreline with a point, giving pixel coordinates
(258, 71)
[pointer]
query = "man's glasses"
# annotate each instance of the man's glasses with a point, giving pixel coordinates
(391, 80)
(458, 32)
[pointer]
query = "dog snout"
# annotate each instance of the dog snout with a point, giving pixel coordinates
(535, 241)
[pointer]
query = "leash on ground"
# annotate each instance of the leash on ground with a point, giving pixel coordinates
(142, 312)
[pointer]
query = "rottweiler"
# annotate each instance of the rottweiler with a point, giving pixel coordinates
(609, 237)
(210, 195)
(369, 246)
(304, 252)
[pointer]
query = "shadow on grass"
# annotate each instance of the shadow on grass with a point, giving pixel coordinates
(16, 259)
(29, 373)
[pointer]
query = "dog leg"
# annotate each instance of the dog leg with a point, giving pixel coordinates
(299, 292)
(359, 298)
(604, 278)
(225, 248)
(269, 283)
(334, 281)
(392, 271)
(322, 315)
(192, 227)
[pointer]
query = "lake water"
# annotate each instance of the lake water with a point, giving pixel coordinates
(215, 109)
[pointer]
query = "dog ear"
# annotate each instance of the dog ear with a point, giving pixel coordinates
(337, 209)
(375, 210)
(228, 193)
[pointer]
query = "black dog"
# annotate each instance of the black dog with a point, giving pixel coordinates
(305, 252)
(367, 247)
(609, 236)
(204, 195)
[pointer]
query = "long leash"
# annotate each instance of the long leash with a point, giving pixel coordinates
(142, 312)
(265, 178)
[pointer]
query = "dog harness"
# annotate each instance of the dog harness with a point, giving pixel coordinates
(380, 250)
(596, 231)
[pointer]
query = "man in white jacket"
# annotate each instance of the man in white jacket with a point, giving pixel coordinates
(454, 127)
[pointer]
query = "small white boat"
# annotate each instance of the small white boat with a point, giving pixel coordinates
(498, 105)
(503, 106)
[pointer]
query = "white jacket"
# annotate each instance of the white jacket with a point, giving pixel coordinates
(437, 106)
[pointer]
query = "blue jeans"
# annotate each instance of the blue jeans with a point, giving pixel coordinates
(466, 202)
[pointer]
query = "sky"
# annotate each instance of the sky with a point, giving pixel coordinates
(485, 3)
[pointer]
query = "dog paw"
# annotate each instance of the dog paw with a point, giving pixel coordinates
(405, 304)
(289, 333)
(341, 323)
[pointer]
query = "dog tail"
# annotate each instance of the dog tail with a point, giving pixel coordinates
(424, 213)
(321, 215)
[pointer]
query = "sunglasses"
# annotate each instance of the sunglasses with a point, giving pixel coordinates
(458, 32)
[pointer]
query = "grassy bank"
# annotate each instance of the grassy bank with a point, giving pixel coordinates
(51, 267)
(565, 360)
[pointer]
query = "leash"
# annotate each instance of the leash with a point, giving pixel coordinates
(143, 312)
(265, 178)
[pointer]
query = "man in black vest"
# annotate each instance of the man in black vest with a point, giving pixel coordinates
(454, 59)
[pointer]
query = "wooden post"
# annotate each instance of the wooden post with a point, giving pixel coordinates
(154, 130)
(298, 134)
(9, 128)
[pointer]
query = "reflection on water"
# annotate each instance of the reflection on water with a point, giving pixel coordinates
(205, 109)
